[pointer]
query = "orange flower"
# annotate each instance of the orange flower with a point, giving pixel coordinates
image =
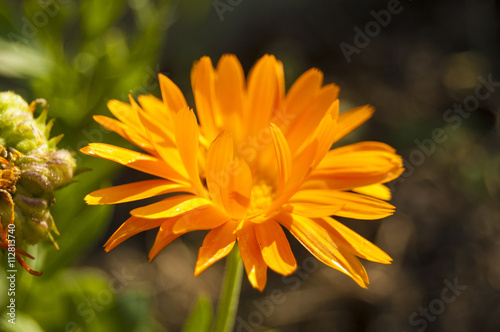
(257, 160)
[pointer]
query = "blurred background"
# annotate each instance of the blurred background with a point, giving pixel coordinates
(429, 67)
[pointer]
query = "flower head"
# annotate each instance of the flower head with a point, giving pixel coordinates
(31, 169)
(253, 160)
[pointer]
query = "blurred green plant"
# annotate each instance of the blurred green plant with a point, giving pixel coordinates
(77, 55)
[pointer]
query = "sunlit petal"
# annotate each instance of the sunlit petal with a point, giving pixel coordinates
(262, 91)
(275, 247)
(219, 158)
(136, 160)
(170, 207)
(236, 195)
(379, 191)
(201, 217)
(319, 242)
(134, 191)
(352, 205)
(129, 228)
(352, 119)
(255, 266)
(125, 132)
(357, 244)
(217, 244)
(164, 237)
(229, 91)
(171, 94)
(283, 157)
(202, 82)
(187, 139)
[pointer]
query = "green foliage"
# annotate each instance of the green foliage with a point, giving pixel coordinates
(200, 319)
(81, 300)
(77, 55)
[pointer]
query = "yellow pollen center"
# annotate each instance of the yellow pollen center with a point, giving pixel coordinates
(260, 199)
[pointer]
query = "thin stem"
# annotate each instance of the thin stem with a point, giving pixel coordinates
(230, 293)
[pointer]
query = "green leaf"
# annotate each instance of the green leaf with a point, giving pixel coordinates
(18, 60)
(97, 16)
(201, 316)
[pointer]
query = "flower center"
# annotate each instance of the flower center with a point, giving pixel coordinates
(260, 199)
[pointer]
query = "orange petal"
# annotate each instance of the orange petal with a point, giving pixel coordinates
(202, 82)
(302, 165)
(352, 119)
(129, 228)
(320, 243)
(229, 91)
(379, 191)
(283, 157)
(217, 244)
(262, 90)
(236, 195)
(301, 95)
(128, 133)
(164, 237)
(312, 209)
(152, 105)
(163, 140)
(171, 94)
(219, 158)
(160, 127)
(133, 192)
(157, 115)
(136, 160)
(126, 113)
(357, 244)
(275, 248)
(305, 123)
(353, 205)
(280, 76)
(187, 138)
(361, 146)
(202, 217)
(351, 169)
(324, 134)
(255, 266)
(170, 207)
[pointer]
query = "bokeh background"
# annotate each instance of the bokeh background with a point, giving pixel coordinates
(424, 60)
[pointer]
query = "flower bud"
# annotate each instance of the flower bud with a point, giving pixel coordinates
(31, 169)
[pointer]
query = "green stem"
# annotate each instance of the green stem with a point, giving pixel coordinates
(230, 293)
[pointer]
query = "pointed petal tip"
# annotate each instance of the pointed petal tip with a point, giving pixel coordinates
(112, 243)
(197, 271)
(91, 200)
(108, 246)
(87, 150)
(255, 283)
(152, 254)
(361, 280)
(200, 268)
